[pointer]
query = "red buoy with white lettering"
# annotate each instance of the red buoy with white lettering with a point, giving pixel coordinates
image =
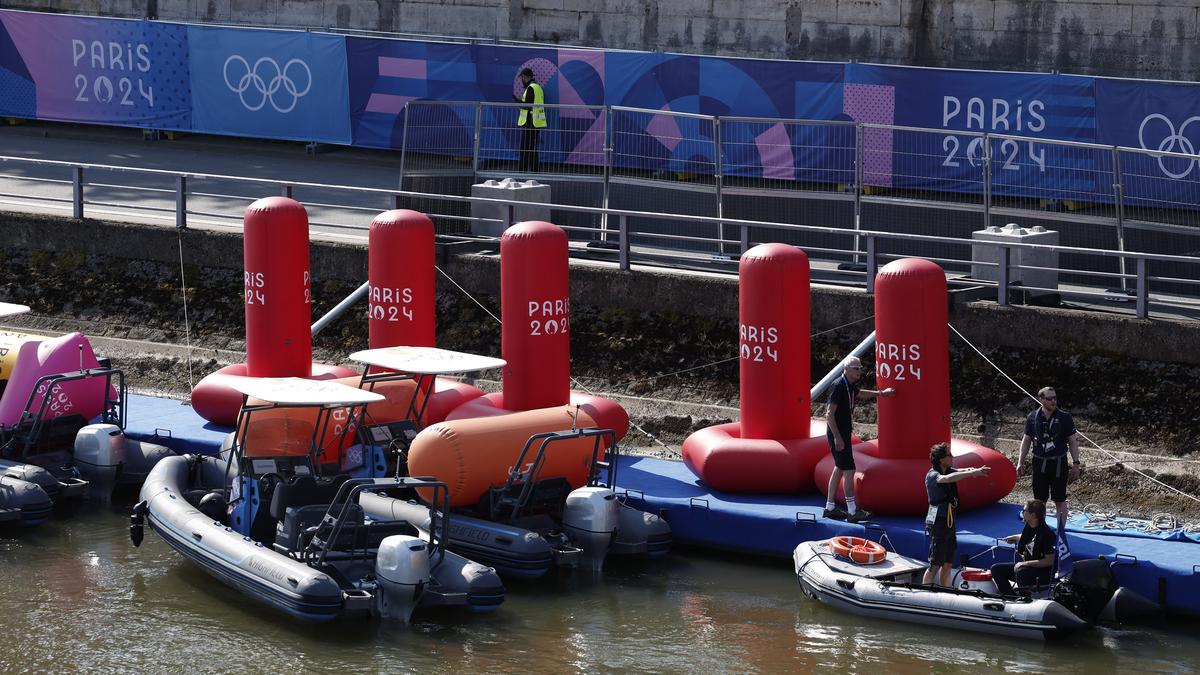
(535, 336)
(912, 355)
(401, 273)
(535, 310)
(775, 446)
(277, 288)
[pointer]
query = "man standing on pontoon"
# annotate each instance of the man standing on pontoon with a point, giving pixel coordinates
(842, 396)
(1051, 433)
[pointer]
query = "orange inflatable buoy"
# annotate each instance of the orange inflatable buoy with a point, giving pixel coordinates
(859, 550)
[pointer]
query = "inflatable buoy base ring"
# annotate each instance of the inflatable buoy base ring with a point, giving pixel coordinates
(216, 401)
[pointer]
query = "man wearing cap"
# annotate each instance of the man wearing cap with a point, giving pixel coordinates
(531, 120)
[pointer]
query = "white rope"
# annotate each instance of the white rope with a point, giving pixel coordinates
(187, 330)
(1085, 437)
(472, 298)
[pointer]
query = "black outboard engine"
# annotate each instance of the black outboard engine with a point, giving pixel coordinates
(1093, 595)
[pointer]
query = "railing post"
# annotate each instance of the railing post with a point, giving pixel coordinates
(608, 159)
(180, 202)
(987, 180)
(858, 186)
(477, 142)
(1143, 290)
(1119, 193)
(286, 191)
(404, 144)
(718, 171)
(397, 202)
(77, 192)
(1002, 282)
(623, 242)
(506, 216)
(872, 263)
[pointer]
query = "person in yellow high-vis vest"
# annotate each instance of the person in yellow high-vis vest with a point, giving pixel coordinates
(531, 120)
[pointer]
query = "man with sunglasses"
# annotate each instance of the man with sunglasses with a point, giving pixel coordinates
(1051, 433)
(842, 395)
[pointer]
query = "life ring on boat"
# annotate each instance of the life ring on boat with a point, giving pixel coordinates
(859, 550)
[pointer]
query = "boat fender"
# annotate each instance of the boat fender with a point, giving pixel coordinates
(859, 550)
(136, 519)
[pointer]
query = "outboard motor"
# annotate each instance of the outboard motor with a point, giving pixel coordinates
(106, 458)
(1101, 600)
(402, 572)
(590, 518)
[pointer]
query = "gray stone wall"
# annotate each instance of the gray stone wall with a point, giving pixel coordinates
(1135, 38)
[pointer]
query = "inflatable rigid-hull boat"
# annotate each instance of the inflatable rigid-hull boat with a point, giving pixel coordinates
(890, 590)
(178, 487)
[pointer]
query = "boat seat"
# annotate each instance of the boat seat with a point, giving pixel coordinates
(302, 491)
(300, 522)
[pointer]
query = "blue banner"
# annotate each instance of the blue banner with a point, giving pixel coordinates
(78, 69)
(1155, 116)
(269, 84)
(1019, 104)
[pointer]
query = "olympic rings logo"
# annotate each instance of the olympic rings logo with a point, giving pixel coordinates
(1174, 141)
(262, 82)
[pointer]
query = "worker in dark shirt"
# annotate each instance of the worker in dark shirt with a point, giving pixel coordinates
(845, 392)
(941, 486)
(1050, 432)
(1035, 550)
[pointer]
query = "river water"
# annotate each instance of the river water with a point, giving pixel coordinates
(78, 597)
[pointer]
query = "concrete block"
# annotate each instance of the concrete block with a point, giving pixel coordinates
(813, 11)
(686, 8)
(762, 10)
(869, 12)
(413, 18)
(261, 12)
(833, 42)
(619, 31)
(1177, 23)
(1013, 233)
(130, 9)
(465, 20)
(300, 13)
(523, 191)
(209, 11)
(895, 44)
(542, 4)
(973, 14)
(1054, 17)
(356, 14)
(556, 26)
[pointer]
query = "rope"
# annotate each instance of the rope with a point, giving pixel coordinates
(187, 330)
(464, 291)
(1085, 437)
(1160, 524)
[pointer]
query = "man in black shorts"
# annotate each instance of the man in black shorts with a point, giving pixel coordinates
(842, 396)
(942, 490)
(1051, 433)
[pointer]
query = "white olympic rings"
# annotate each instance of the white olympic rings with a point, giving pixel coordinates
(1174, 141)
(265, 80)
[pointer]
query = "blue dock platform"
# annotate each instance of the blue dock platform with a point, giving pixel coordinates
(1167, 570)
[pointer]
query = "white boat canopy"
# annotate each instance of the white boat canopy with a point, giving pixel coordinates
(9, 309)
(426, 360)
(299, 391)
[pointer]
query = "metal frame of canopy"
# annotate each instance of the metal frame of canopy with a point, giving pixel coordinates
(420, 364)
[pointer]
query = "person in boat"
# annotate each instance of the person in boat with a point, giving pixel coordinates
(1051, 433)
(1035, 550)
(941, 484)
(845, 392)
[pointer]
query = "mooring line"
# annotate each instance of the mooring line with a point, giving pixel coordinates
(1085, 436)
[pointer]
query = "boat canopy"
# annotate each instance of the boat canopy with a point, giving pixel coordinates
(298, 391)
(426, 360)
(9, 309)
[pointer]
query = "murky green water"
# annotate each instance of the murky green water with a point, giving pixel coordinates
(78, 597)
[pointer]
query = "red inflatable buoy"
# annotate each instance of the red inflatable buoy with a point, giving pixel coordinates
(912, 352)
(775, 446)
(400, 268)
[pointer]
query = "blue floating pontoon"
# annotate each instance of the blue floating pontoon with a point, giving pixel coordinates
(772, 525)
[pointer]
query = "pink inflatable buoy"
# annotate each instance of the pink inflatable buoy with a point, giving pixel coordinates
(36, 358)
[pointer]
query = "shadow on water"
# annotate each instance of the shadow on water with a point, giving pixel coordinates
(78, 596)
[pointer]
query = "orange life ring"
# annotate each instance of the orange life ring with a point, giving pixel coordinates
(859, 550)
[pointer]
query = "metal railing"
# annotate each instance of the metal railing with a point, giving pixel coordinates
(634, 245)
